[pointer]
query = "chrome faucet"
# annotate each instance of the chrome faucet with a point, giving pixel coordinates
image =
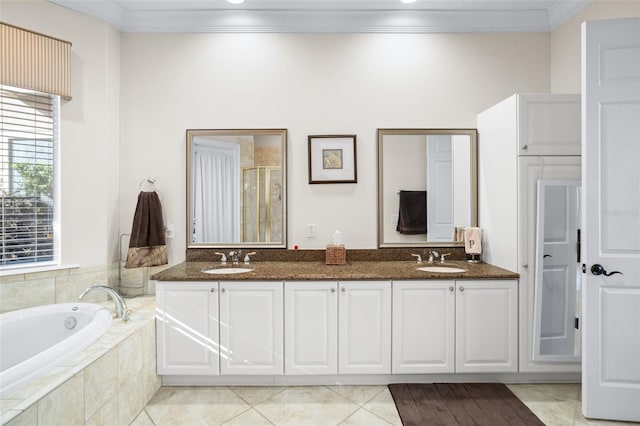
(223, 258)
(432, 256)
(443, 256)
(121, 307)
(247, 257)
(235, 257)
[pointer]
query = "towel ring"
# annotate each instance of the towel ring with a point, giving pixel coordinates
(148, 180)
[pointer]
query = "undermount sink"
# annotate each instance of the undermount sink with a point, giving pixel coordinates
(224, 271)
(442, 269)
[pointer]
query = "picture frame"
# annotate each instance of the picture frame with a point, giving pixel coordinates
(332, 159)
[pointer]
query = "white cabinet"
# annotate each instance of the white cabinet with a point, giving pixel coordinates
(311, 327)
(486, 326)
(187, 328)
(364, 318)
(549, 126)
(423, 327)
(251, 328)
(448, 326)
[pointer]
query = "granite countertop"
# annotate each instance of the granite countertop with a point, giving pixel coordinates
(352, 270)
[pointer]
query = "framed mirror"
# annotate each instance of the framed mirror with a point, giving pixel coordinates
(427, 186)
(557, 273)
(236, 188)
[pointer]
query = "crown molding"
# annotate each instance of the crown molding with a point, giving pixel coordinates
(227, 20)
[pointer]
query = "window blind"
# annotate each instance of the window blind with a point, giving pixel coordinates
(34, 61)
(28, 140)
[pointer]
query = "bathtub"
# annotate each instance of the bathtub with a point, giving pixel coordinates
(35, 340)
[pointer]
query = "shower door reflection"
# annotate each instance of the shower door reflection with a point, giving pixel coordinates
(262, 206)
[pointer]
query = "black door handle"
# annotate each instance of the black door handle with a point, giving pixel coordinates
(546, 255)
(598, 269)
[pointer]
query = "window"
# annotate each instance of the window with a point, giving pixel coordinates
(28, 208)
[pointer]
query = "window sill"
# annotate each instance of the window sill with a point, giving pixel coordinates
(39, 268)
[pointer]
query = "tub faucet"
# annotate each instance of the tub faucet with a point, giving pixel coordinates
(121, 307)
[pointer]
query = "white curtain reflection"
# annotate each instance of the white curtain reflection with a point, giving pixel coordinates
(216, 201)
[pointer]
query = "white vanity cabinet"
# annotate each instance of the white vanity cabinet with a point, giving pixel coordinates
(423, 327)
(364, 336)
(187, 328)
(311, 327)
(251, 328)
(486, 326)
(549, 127)
(455, 326)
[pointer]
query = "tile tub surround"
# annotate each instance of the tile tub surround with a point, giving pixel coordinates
(107, 383)
(318, 270)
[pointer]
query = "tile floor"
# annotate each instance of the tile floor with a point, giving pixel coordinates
(554, 404)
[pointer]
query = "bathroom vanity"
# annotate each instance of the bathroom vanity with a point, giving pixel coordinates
(289, 321)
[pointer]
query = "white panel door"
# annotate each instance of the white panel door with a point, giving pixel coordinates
(423, 327)
(251, 334)
(311, 327)
(530, 171)
(364, 327)
(486, 326)
(187, 328)
(611, 219)
(549, 124)
(439, 188)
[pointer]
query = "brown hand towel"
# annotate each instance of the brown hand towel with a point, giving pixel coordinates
(412, 217)
(147, 244)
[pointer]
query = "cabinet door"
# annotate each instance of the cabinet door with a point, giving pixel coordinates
(486, 326)
(187, 328)
(251, 321)
(530, 170)
(549, 124)
(311, 328)
(423, 327)
(364, 327)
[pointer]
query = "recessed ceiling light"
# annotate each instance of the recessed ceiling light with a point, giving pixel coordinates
(242, 1)
(404, 1)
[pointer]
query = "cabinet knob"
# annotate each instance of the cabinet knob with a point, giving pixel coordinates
(525, 147)
(223, 290)
(525, 265)
(451, 289)
(213, 290)
(333, 290)
(461, 288)
(344, 290)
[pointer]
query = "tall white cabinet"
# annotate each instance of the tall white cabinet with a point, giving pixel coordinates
(522, 139)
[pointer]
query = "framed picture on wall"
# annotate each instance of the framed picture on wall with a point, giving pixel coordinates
(332, 159)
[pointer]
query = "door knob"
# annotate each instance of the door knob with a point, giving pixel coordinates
(598, 269)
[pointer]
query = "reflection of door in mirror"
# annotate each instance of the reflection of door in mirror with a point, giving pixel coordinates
(557, 276)
(440, 162)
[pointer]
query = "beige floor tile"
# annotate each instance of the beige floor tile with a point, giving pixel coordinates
(358, 394)
(307, 405)
(197, 405)
(254, 395)
(142, 420)
(580, 420)
(249, 418)
(363, 417)
(546, 392)
(384, 407)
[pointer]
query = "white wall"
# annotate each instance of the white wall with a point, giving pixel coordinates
(89, 128)
(565, 41)
(309, 84)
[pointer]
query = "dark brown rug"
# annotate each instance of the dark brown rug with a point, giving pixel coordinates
(460, 404)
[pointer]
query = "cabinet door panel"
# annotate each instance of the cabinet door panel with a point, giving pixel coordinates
(549, 125)
(251, 321)
(486, 326)
(423, 327)
(311, 328)
(364, 324)
(187, 328)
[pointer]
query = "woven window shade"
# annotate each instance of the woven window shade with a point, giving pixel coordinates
(34, 61)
